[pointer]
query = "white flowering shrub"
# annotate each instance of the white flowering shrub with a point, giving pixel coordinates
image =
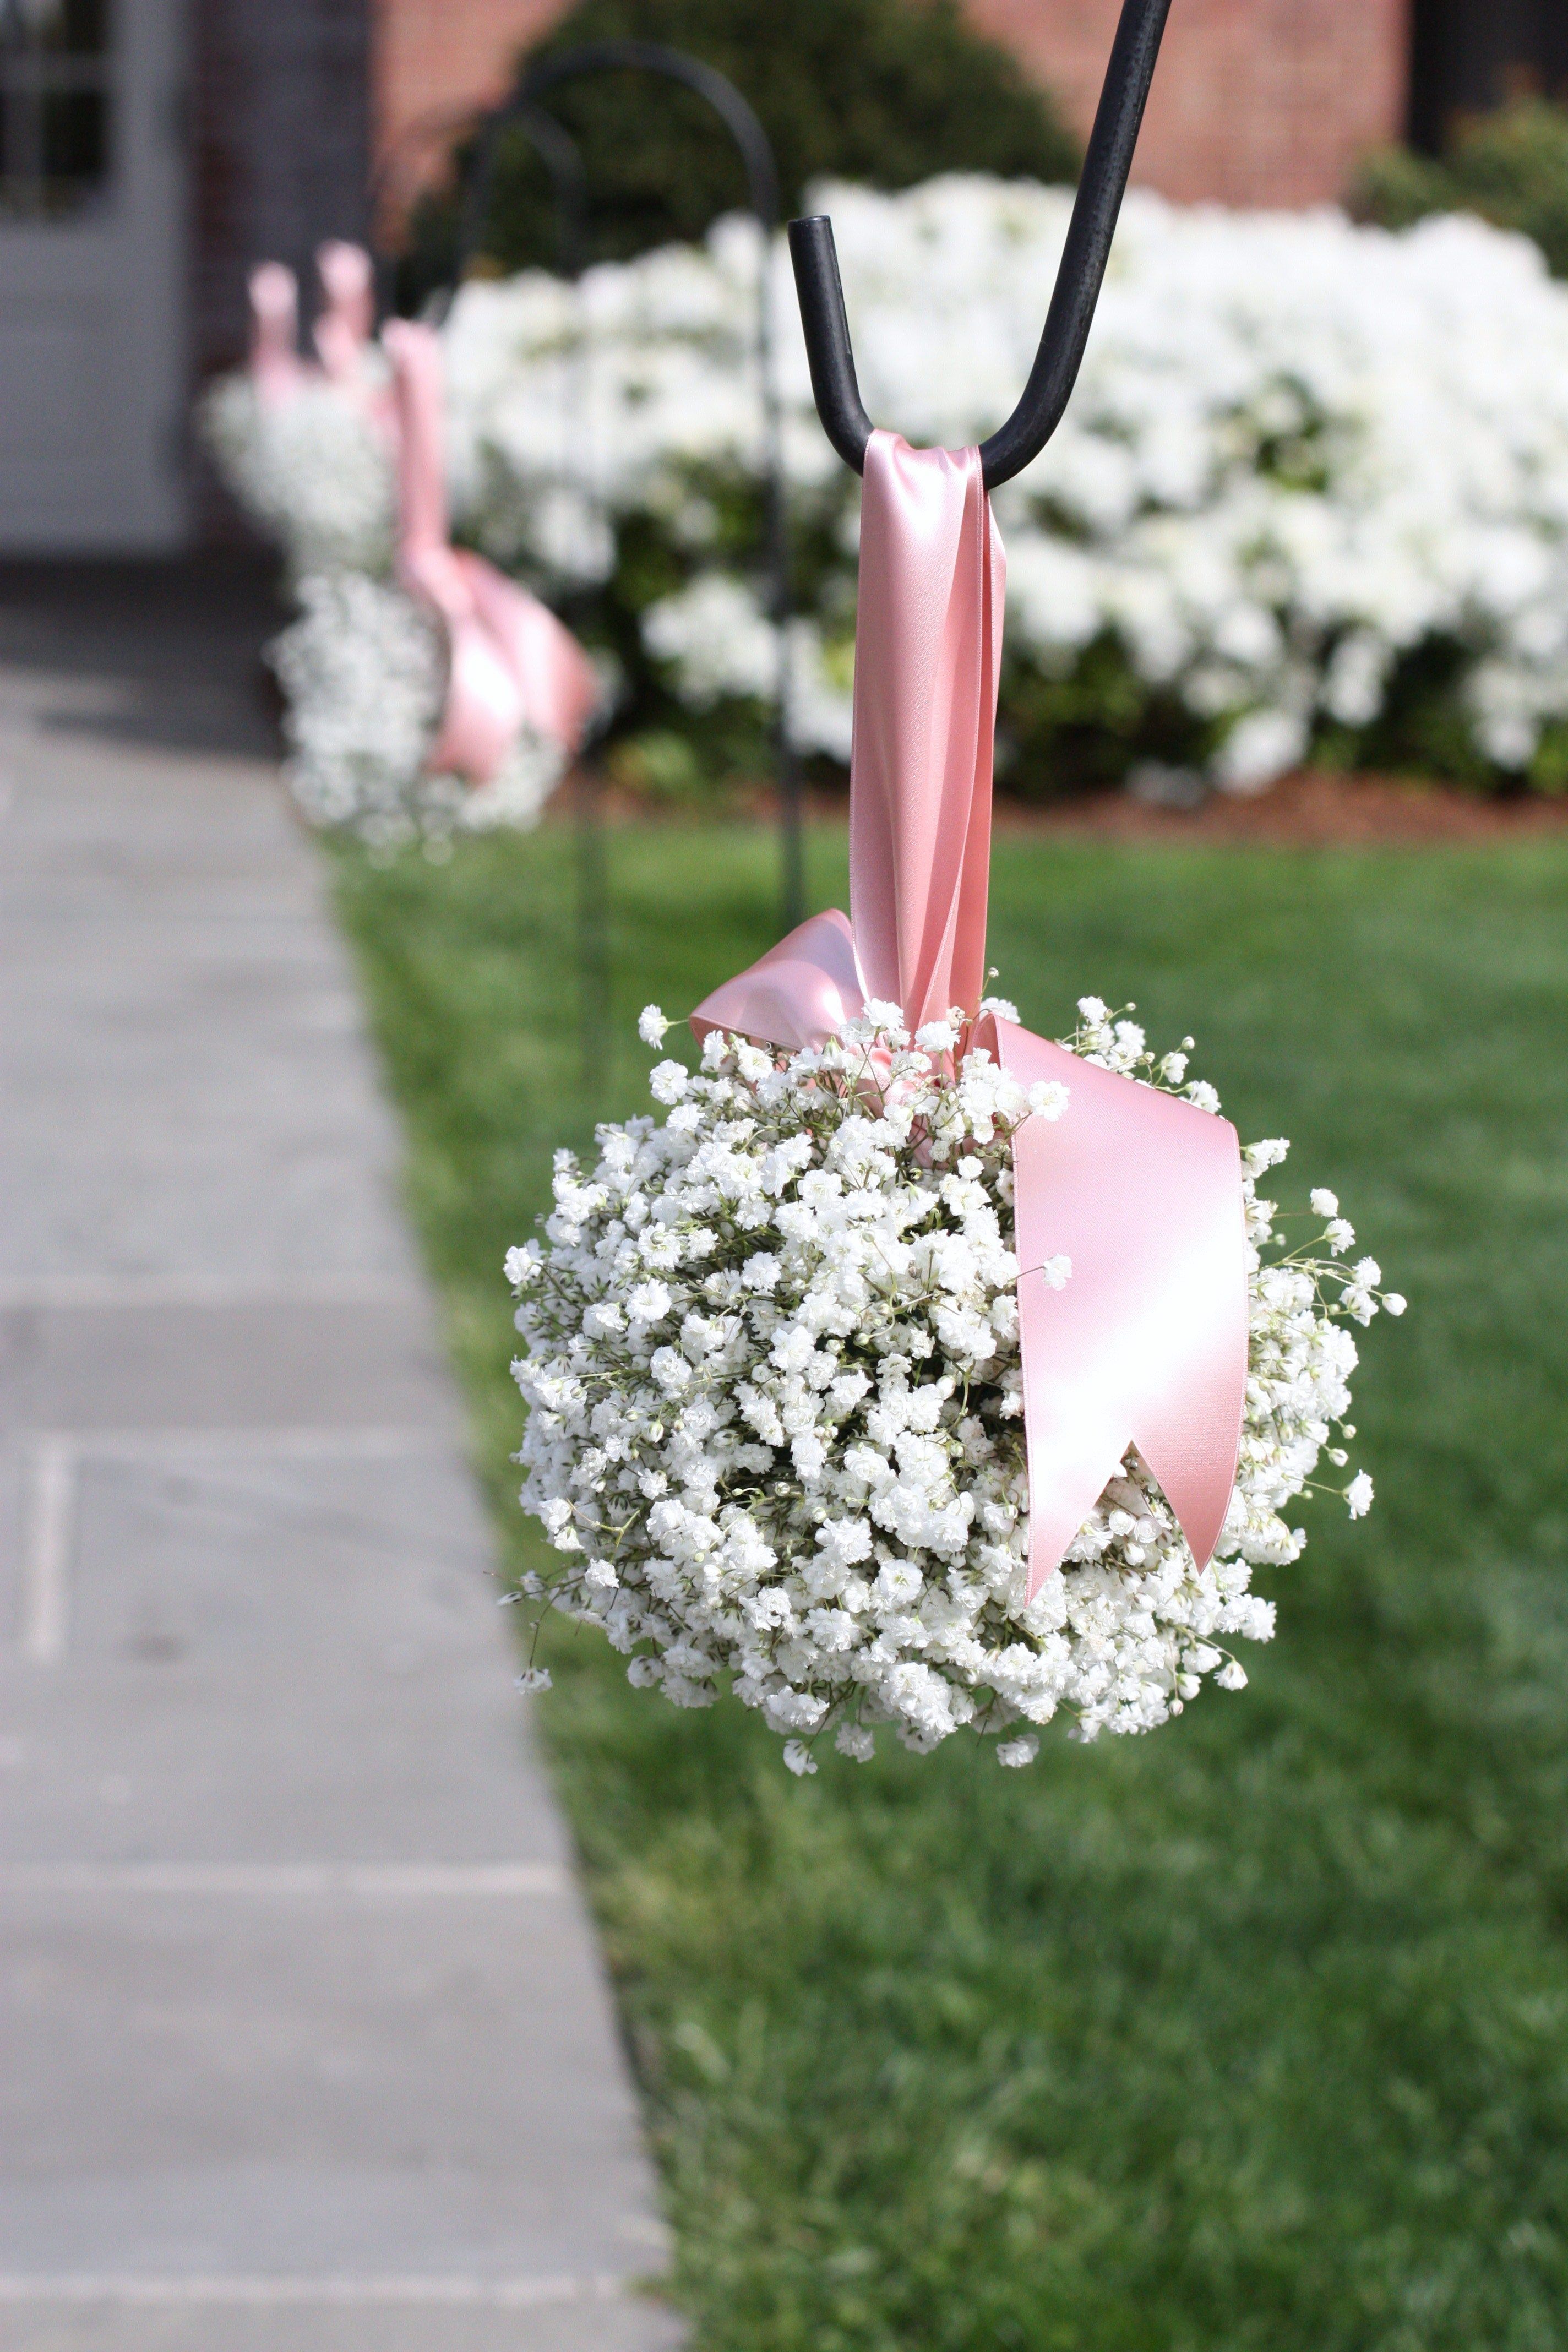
(771, 1358)
(364, 673)
(1312, 490)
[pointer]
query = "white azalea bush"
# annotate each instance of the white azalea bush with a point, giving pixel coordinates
(1311, 492)
(1311, 495)
(774, 1431)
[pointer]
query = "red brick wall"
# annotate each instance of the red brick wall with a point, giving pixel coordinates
(1255, 103)
(435, 58)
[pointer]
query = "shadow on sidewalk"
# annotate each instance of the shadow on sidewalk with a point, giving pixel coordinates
(162, 654)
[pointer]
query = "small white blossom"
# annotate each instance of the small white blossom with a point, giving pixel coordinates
(651, 1026)
(936, 1037)
(1358, 1495)
(853, 1741)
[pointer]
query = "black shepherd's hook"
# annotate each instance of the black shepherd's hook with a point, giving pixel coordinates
(563, 160)
(1079, 277)
(763, 192)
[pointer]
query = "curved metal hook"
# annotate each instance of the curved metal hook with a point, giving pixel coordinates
(656, 56)
(1107, 161)
(562, 157)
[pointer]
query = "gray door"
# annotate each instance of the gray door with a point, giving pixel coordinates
(92, 268)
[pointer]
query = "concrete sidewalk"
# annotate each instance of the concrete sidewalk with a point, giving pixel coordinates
(306, 2043)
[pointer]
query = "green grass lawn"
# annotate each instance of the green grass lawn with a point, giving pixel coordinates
(1253, 2033)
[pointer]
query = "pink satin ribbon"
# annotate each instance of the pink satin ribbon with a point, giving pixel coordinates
(511, 662)
(342, 334)
(276, 368)
(347, 322)
(1146, 1344)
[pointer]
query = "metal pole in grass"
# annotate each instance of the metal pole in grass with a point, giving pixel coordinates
(762, 188)
(563, 159)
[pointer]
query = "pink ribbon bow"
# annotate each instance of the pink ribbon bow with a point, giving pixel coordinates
(1146, 1344)
(511, 662)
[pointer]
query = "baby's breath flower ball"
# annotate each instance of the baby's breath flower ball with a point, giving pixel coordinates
(775, 1432)
(363, 671)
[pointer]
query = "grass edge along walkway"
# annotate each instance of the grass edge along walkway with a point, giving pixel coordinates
(1253, 2033)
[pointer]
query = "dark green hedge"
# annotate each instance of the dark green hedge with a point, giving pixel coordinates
(884, 91)
(1511, 167)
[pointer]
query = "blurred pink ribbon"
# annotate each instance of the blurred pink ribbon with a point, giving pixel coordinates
(347, 322)
(343, 333)
(511, 662)
(1146, 1343)
(276, 368)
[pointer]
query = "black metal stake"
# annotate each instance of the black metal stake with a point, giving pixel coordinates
(593, 930)
(762, 188)
(563, 159)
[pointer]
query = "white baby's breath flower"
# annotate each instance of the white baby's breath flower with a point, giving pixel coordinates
(936, 1037)
(1018, 1752)
(363, 676)
(651, 1026)
(1324, 1203)
(1358, 1495)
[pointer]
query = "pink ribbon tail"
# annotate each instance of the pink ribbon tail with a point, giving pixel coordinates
(1146, 1344)
(511, 663)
